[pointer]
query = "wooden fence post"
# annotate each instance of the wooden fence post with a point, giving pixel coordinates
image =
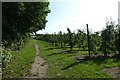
(88, 38)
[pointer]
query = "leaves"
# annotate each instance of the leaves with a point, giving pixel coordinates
(20, 18)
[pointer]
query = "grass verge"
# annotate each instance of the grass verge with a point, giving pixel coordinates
(21, 62)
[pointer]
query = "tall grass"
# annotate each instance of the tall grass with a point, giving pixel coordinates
(21, 62)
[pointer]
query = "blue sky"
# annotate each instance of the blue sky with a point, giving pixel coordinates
(75, 14)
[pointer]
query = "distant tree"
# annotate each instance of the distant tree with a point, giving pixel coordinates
(70, 39)
(117, 41)
(60, 38)
(84, 41)
(104, 40)
(79, 38)
(108, 38)
(97, 38)
(56, 39)
(52, 39)
(65, 38)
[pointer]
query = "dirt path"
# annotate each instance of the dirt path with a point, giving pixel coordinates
(39, 67)
(114, 72)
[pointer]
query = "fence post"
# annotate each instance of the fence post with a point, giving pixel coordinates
(88, 38)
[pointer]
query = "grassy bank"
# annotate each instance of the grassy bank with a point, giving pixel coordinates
(21, 61)
(64, 66)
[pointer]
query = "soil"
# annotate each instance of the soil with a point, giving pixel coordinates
(39, 67)
(114, 72)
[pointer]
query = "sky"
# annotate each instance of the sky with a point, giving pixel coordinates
(75, 14)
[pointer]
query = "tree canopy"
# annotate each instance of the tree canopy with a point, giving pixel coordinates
(22, 18)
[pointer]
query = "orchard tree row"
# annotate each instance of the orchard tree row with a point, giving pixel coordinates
(107, 40)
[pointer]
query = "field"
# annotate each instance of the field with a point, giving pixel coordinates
(64, 66)
(60, 65)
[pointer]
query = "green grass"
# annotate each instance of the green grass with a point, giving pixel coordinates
(21, 62)
(60, 65)
(63, 66)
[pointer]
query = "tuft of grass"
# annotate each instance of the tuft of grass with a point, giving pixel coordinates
(21, 63)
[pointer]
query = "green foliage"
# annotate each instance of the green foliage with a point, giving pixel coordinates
(81, 39)
(106, 41)
(65, 38)
(117, 40)
(93, 43)
(20, 62)
(108, 38)
(72, 39)
(20, 19)
(6, 57)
